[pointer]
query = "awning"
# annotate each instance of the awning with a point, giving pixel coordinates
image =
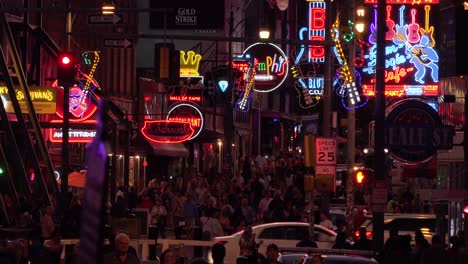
(76, 179)
(169, 149)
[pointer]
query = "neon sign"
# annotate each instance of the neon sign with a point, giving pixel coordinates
(188, 113)
(347, 86)
(271, 66)
(317, 14)
(189, 63)
(188, 90)
(43, 99)
(165, 131)
(411, 61)
(74, 135)
(409, 2)
(81, 106)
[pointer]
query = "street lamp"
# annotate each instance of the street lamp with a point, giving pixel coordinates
(360, 24)
(220, 159)
(264, 33)
(108, 7)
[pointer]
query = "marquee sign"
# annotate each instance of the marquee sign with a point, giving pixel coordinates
(271, 66)
(411, 59)
(43, 98)
(414, 131)
(189, 113)
(165, 131)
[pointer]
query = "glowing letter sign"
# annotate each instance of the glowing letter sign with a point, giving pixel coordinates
(409, 2)
(271, 66)
(411, 60)
(165, 131)
(317, 14)
(184, 112)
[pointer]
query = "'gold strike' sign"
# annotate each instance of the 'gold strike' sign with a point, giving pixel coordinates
(44, 99)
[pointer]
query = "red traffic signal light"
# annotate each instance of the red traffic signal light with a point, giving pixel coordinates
(465, 210)
(66, 69)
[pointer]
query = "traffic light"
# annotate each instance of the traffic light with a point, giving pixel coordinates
(360, 176)
(465, 210)
(1, 170)
(66, 69)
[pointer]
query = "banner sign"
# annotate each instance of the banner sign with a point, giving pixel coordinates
(75, 135)
(411, 58)
(44, 99)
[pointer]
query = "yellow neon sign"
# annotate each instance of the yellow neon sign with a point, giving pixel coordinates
(189, 63)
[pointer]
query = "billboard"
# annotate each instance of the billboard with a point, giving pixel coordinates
(188, 15)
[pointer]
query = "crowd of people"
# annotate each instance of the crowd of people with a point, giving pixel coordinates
(196, 206)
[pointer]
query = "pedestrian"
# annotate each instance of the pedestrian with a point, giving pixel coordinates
(325, 222)
(317, 259)
(272, 254)
(121, 254)
(435, 254)
(306, 241)
(340, 242)
(247, 241)
(218, 252)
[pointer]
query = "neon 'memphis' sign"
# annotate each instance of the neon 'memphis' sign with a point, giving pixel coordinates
(271, 66)
(317, 14)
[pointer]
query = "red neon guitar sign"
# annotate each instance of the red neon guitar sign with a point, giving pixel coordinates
(390, 34)
(413, 29)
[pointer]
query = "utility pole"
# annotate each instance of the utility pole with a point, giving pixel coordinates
(228, 118)
(327, 95)
(66, 113)
(379, 144)
(351, 144)
(465, 164)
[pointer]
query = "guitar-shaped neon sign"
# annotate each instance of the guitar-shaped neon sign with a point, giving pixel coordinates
(417, 53)
(78, 108)
(373, 28)
(390, 34)
(349, 84)
(245, 98)
(428, 30)
(413, 29)
(401, 28)
(306, 100)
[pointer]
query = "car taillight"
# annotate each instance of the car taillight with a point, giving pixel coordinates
(368, 234)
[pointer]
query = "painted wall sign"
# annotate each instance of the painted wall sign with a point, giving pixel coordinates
(74, 135)
(414, 131)
(165, 131)
(44, 99)
(271, 66)
(185, 112)
(317, 15)
(411, 59)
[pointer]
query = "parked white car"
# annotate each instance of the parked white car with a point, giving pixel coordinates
(283, 234)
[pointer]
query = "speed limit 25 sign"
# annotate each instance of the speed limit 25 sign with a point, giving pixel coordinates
(325, 151)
